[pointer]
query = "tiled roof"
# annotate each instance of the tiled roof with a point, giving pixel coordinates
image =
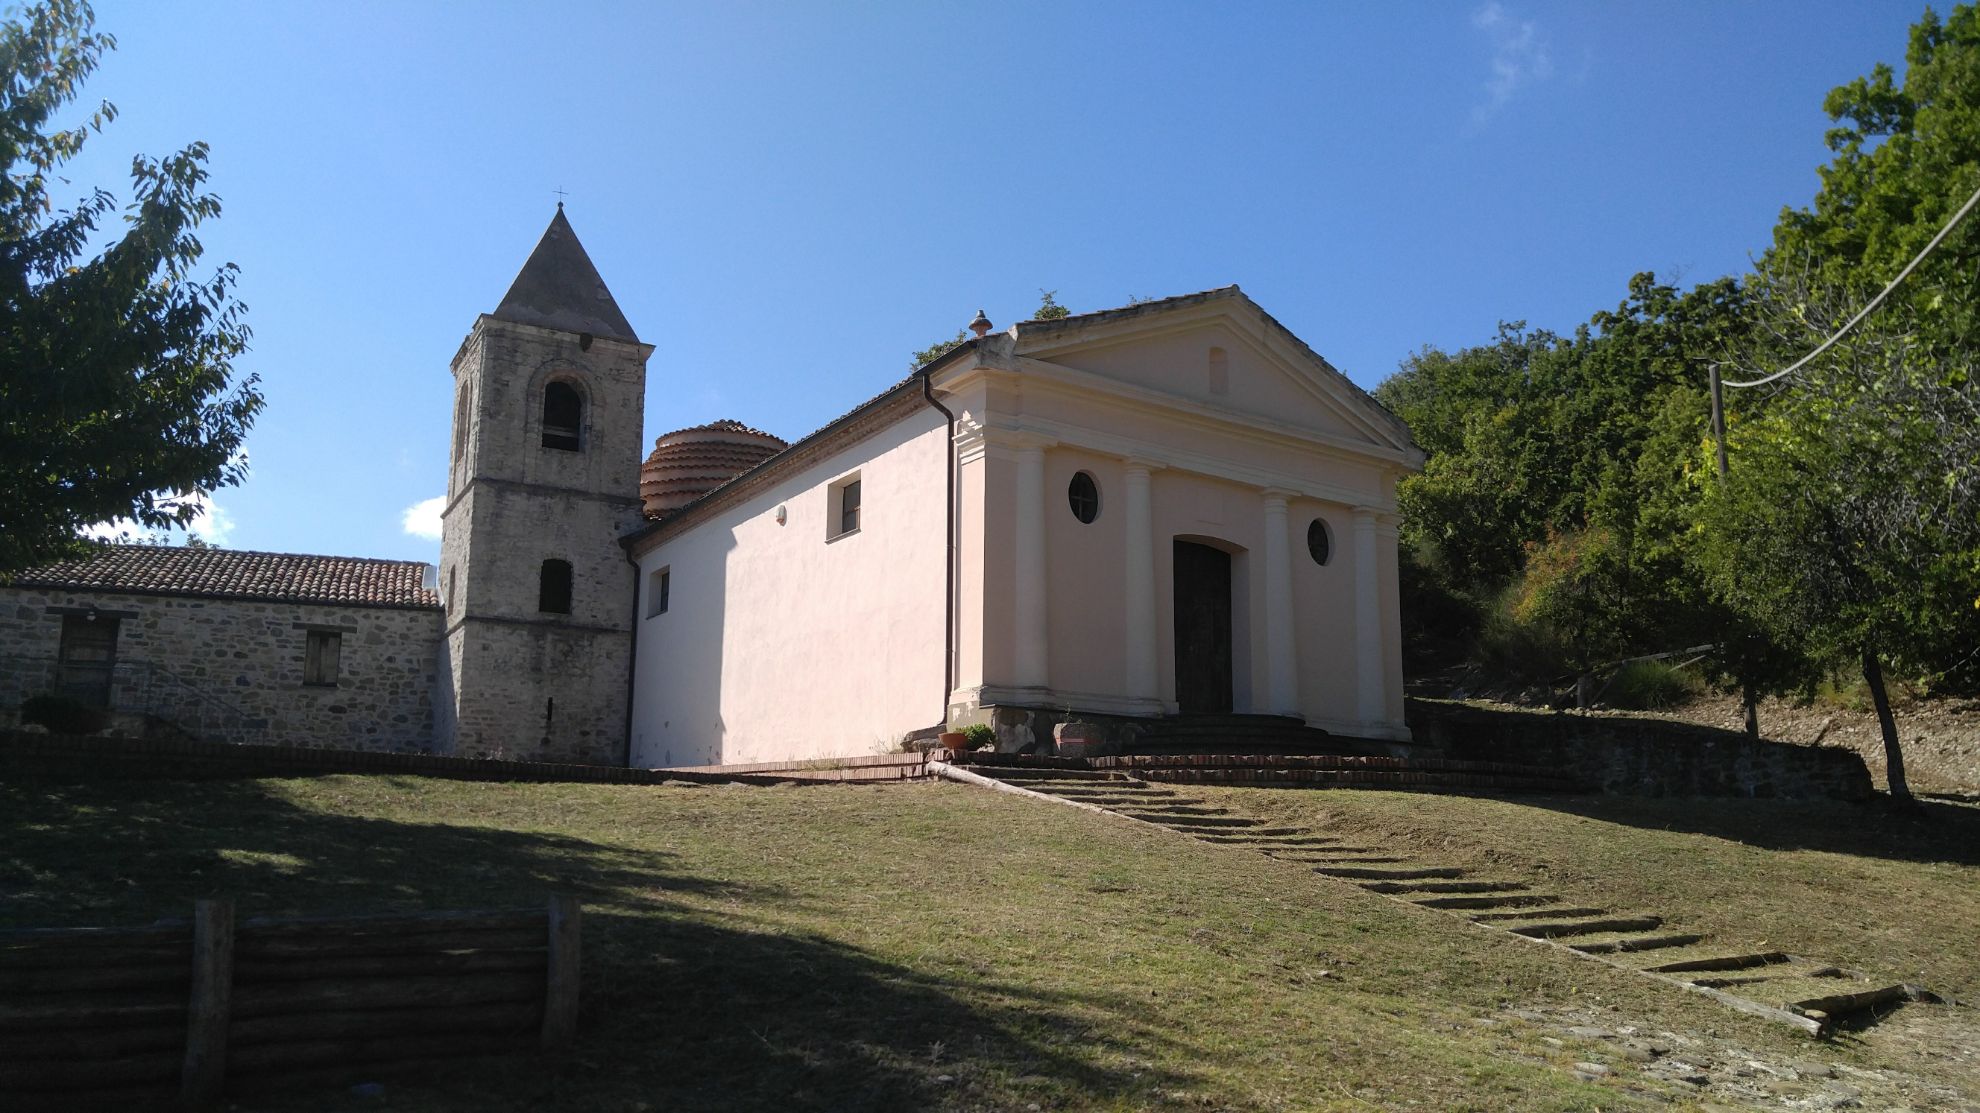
(234, 574)
(559, 288)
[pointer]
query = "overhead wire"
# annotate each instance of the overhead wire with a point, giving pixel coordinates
(1874, 302)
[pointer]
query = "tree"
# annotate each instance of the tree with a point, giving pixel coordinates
(118, 397)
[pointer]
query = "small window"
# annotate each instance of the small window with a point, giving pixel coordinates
(1319, 542)
(463, 413)
(658, 587)
(563, 414)
(321, 651)
(553, 587)
(844, 516)
(450, 591)
(1084, 497)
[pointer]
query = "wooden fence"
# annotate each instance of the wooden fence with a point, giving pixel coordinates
(132, 1016)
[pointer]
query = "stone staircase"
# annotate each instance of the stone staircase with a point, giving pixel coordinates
(1810, 995)
(1309, 770)
(1227, 734)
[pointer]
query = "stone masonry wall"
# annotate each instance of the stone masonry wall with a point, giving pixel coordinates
(1640, 757)
(232, 669)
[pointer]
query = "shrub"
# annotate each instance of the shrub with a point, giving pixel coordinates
(62, 715)
(1650, 686)
(976, 736)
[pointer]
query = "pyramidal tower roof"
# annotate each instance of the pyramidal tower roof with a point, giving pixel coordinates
(559, 288)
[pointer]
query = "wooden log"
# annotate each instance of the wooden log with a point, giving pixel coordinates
(499, 919)
(84, 979)
(560, 1003)
(171, 931)
(393, 943)
(340, 994)
(519, 1018)
(204, 1074)
(78, 1074)
(258, 970)
(82, 1011)
(61, 955)
(92, 1043)
(325, 1053)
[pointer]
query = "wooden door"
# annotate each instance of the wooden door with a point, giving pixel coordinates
(88, 658)
(1203, 629)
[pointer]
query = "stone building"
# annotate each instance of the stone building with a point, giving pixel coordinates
(1169, 511)
(244, 647)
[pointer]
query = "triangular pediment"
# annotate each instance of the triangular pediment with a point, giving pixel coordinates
(1217, 353)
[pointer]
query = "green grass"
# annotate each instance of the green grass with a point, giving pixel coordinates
(924, 946)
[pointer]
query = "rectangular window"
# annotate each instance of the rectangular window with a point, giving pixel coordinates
(658, 584)
(844, 503)
(321, 650)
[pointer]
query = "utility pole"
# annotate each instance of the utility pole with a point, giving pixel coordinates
(1748, 697)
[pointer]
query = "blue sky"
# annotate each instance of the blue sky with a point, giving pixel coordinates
(788, 199)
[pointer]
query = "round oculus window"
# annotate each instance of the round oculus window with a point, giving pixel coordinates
(1319, 542)
(1084, 497)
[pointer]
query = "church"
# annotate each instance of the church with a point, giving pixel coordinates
(1169, 512)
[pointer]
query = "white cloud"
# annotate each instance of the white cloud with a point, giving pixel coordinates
(422, 519)
(1519, 57)
(212, 524)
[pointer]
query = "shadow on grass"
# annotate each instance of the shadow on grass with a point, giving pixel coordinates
(1931, 832)
(683, 1007)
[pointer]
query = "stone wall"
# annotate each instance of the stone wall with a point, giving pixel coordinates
(232, 669)
(1640, 757)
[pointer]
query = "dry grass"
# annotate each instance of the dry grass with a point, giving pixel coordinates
(915, 947)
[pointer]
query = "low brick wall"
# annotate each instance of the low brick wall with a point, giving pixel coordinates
(1640, 757)
(92, 757)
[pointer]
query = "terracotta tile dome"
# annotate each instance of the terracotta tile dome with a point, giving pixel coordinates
(689, 463)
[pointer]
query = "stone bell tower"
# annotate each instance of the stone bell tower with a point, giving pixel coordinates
(549, 402)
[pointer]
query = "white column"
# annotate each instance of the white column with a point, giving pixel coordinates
(1029, 666)
(1281, 665)
(1367, 621)
(1138, 584)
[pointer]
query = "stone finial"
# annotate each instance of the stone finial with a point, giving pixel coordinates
(981, 326)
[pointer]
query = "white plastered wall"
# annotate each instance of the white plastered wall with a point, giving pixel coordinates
(779, 644)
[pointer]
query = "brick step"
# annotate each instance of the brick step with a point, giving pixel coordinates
(1444, 886)
(1561, 912)
(1115, 787)
(1835, 996)
(1627, 942)
(1351, 860)
(1122, 793)
(1030, 773)
(1487, 900)
(1324, 761)
(1123, 801)
(1143, 809)
(1390, 780)
(1390, 873)
(1780, 971)
(1200, 820)
(1600, 925)
(1714, 959)
(1260, 837)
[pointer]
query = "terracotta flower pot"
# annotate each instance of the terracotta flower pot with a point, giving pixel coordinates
(952, 740)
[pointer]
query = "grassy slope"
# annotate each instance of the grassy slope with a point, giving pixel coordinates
(1895, 896)
(835, 948)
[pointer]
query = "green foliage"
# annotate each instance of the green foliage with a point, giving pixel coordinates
(1049, 308)
(1650, 686)
(937, 350)
(977, 736)
(118, 399)
(63, 715)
